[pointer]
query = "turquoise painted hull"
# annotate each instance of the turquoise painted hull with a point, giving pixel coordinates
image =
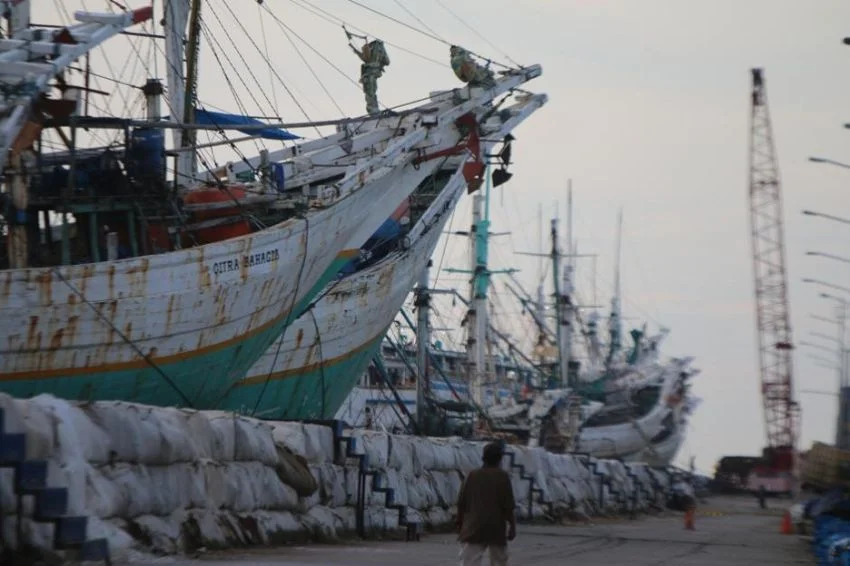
(307, 394)
(170, 384)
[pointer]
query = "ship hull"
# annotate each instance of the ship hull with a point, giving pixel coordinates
(177, 328)
(310, 370)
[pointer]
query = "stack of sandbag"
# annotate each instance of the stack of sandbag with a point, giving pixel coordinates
(152, 471)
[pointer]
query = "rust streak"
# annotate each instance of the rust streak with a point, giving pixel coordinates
(33, 336)
(110, 280)
(45, 287)
(169, 312)
(56, 339)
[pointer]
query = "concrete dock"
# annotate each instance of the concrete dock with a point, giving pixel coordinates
(728, 531)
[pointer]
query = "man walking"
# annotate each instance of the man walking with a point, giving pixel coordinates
(485, 507)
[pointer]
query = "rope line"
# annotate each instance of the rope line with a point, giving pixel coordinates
(476, 32)
(289, 314)
(425, 33)
(124, 337)
(328, 17)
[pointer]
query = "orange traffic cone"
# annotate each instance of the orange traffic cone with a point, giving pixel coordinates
(689, 519)
(786, 528)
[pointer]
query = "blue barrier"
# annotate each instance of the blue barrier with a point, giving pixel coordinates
(831, 540)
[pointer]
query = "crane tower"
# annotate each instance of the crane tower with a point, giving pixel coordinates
(772, 316)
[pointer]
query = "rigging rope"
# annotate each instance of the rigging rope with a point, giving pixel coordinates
(476, 32)
(426, 34)
(124, 337)
(276, 74)
(212, 47)
(412, 15)
(328, 17)
(268, 58)
(286, 31)
(322, 383)
(289, 314)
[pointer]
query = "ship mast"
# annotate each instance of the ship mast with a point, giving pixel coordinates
(477, 321)
(182, 80)
(423, 341)
(614, 322)
(567, 309)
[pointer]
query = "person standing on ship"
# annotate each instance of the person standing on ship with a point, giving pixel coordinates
(485, 511)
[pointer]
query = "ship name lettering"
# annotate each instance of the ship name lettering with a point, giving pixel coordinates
(252, 260)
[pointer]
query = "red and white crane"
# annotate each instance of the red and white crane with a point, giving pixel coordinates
(781, 411)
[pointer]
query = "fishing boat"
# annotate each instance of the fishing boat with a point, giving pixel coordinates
(610, 402)
(308, 373)
(168, 292)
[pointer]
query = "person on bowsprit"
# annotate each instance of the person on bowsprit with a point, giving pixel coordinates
(485, 511)
(374, 57)
(467, 70)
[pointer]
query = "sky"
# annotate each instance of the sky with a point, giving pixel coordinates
(648, 111)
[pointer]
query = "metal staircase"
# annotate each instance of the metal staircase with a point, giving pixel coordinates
(35, 55)
(50, 504)
(350, 451)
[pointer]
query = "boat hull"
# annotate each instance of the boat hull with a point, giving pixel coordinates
(310, 370)
(177, 328)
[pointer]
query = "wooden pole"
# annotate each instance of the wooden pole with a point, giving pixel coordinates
(17, 241)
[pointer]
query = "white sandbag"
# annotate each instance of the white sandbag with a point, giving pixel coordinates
(8, 502)
(439, 517)
(401, 453)
(77, 437)
(254, 442)
(206, 528)
(223, 426)
(467, 456)
(13, 420)
(420, 493)
(122, 547)
(380, 518)
(133, 432)
(424, 456)
(321, 521)
(319, 445)
(446, 486)
(103, 498)
(291, 435)
(398, 483)
(187, 483)
(332, 482)
(278, 526)
(252, 485)
(346, 520)
(21, 416)
(375, 445)
(204, 436)
(178, 442)
(157, 490)
(38, 535)
(444, 455)
(162, 534)
(351, 477)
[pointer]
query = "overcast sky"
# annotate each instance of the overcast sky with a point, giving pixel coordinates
(649, 110)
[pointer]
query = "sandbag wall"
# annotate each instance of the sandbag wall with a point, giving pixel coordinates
(426, 475)
(167, 480)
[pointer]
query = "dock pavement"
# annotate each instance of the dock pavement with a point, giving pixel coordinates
(728, 531)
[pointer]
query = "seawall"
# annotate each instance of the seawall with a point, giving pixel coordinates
(167, 481)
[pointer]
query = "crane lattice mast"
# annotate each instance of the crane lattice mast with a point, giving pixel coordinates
(772, 313)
